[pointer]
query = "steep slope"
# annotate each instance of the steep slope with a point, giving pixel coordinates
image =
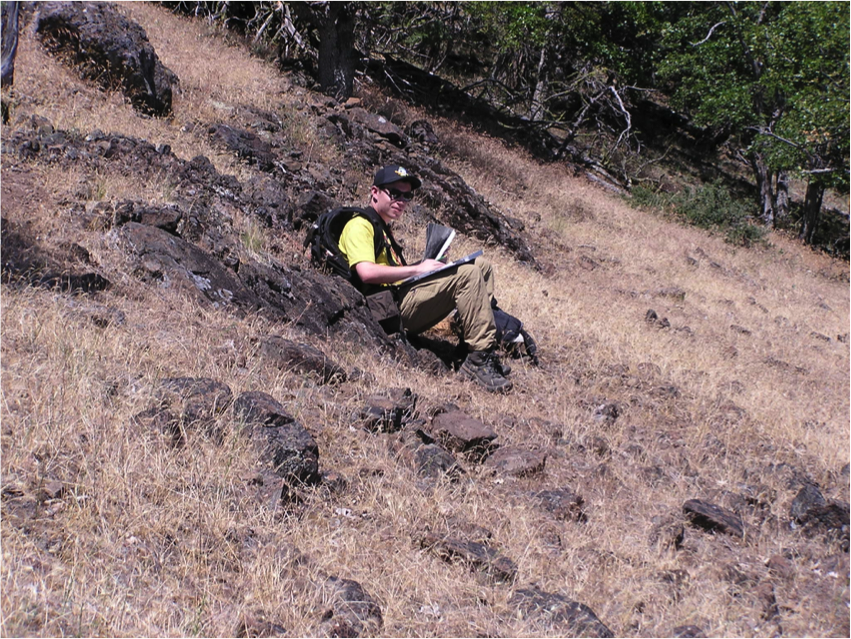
(133, 506)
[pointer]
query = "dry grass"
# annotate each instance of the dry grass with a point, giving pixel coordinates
(148, 540)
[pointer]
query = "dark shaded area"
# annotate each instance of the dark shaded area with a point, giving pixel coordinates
(25, 263)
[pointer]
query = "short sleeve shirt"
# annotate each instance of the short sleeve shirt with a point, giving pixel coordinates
(357, 242)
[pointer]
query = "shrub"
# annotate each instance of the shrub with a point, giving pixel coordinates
(709, 206)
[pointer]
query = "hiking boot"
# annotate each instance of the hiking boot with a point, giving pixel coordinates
(479, 366)
(503, 368)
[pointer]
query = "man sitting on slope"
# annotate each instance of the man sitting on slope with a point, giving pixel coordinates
(468, 287)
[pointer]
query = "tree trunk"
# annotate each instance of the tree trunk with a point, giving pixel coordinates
(781, 199)
(336, 51)
(8, 48)
(537, 106)
(812, 210)
(763, 177)
(335, 25)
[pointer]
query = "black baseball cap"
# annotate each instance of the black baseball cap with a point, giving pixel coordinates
(394, 173)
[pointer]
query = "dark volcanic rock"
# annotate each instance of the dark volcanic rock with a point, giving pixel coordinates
(517, 462)
(302, 358)
(189, 403)
(170, 261)
(478, 555)
(568, 618)
(256, 407)
(284, 445)
(390, 412)
(463, 434)
(245, 144)
(106, 47)
(352, 612)
(379, 125)
(196, 399)
(807, 498)
(713, 518)
(561, 502)
(165, 217)
(427, 458)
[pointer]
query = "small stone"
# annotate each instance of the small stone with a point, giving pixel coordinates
(478, 555)
(517, 461)
(352, 611)
(687, 632)
(713, 518)
(389, 413)
(52, 490)
(807, 498)
(561, 502)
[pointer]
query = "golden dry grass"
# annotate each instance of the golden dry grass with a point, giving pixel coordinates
(147, 540)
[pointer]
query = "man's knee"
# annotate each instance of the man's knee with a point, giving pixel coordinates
(470, 272)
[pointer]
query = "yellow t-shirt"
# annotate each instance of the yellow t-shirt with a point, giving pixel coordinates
(357, 243)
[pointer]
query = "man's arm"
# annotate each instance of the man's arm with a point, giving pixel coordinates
(372, 273)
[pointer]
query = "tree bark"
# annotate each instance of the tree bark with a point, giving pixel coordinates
(812, 210)
(763, 177)
(8, 48)
(781, 199)
(335, 26)
(10, 42)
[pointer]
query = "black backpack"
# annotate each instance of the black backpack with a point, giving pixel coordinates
(324, 235)
(511, 335)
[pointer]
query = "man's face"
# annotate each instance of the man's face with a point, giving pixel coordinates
(389, 200)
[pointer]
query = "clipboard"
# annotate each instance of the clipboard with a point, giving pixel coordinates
(418, 278)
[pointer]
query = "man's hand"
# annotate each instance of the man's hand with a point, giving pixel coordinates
(427, 266)
(371, 273)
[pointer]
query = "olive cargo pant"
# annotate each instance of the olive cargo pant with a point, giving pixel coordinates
(469, 288)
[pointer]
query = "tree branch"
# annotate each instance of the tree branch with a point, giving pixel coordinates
(708, 35)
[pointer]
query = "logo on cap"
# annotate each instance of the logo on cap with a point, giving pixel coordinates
(401, 172)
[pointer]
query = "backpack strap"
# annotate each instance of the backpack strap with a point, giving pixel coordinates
(383, 238)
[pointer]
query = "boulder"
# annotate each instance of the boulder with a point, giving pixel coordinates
(545, 610)
(108, 48)
(166, 217)
(460, 433)
(283, 445)
(169, 261)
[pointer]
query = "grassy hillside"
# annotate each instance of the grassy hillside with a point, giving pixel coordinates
(109, 530)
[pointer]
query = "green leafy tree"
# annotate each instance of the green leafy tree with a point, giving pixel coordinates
(774, 77)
